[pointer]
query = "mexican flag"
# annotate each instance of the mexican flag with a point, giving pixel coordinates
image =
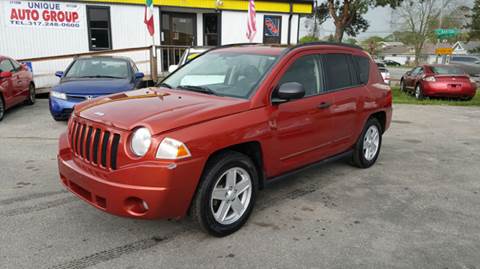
(149, 16)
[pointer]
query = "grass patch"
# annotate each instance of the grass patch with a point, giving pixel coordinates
(400, 97)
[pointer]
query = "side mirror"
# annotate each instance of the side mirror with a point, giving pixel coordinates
(59, 74)
(172, 68)
(409, 73)
(5, 74)
(139, 75)
(290, 90)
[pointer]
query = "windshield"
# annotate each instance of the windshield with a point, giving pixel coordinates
(447, 70)
(101, 68)
(222, 73)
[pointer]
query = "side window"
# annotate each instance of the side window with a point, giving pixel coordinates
(420, 71)
(6, 66)
(415, 71)
(363, 68)
(337, 71)
(16, 66)
(134, 67)
(306, 71)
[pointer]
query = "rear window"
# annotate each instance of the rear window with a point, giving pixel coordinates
(337, 71)
(447, 70)
(363, 67)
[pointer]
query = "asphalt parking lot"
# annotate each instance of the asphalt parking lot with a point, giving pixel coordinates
(418, 207)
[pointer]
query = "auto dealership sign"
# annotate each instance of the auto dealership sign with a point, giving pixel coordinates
(43, 14)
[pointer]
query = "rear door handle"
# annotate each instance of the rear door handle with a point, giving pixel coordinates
(324, 105)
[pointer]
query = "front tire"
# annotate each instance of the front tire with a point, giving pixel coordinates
(368, 145)
(226, 193)
(31, 95)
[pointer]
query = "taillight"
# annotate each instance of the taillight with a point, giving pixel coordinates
(430, 79)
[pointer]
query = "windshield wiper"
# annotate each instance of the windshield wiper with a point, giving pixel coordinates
(99, 76)
(201, 89)
(163, 84)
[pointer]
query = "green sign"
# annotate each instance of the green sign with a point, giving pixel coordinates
(446, 33)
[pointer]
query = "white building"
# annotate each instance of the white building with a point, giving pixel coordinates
(463, 48)
(31, 29)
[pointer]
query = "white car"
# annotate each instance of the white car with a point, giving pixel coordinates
(384, 71)
(188, 55)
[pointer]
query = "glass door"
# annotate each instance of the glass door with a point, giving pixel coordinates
(211, 29)
(178, 29)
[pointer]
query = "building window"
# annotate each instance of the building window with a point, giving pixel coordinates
(211, 29)
(272, 28)
(99, 32)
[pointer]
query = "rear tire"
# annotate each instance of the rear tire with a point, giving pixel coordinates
(367, 148)
(31, 95)
(2, 108)
(402, 85)
(226, 193)
(419, 92)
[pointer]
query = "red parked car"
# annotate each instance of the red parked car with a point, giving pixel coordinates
(16, 84)
(438, 81)
(221, 127)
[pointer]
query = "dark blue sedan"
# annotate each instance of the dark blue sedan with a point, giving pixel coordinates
(90, 77)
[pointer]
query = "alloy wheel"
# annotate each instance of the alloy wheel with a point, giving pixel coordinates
(371, 141)
(2, 109)
(231, 195)
(417, 92)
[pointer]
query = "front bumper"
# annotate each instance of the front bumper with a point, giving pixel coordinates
(60, 108)
(166, 191)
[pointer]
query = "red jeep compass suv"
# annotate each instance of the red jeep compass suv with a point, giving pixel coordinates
(219, 128)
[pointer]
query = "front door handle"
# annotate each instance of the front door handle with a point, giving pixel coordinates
(324, 105)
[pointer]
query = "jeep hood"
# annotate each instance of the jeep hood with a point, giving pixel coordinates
(159, 109)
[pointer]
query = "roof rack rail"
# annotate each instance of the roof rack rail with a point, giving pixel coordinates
(327, 43)
(234, 45)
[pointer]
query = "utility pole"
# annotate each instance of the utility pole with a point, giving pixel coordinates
(440, 25)
(441, 14)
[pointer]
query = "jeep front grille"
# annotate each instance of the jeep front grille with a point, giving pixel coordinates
(94, 145)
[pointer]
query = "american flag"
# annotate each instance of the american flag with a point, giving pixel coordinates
(251, 22)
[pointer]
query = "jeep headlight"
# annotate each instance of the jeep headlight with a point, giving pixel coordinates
(172, 149)
(59, 95)
(141, 141)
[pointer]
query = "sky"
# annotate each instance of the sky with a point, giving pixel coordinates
(379, 19)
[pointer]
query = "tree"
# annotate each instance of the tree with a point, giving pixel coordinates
(351, 41)
(474, 25)
(318, 17)
(417, 19)
(308, 39)
(372, 44)
(347, 15)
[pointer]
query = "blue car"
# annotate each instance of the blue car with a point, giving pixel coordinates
(90, 77)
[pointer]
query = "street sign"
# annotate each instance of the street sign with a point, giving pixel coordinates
(443, 51)
(446, 33)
